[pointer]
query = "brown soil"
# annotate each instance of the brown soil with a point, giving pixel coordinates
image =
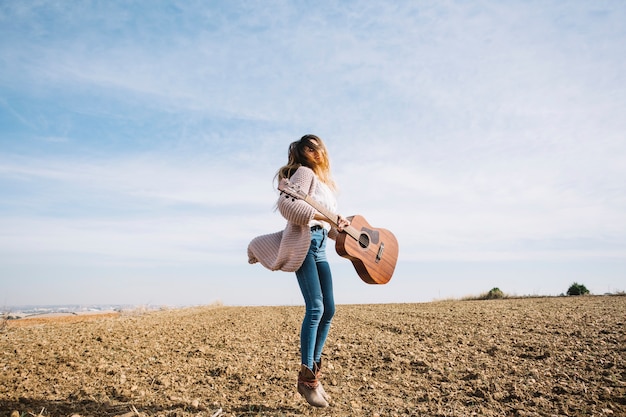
(518, 357)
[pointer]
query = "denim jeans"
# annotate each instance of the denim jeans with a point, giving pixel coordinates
(316, 284)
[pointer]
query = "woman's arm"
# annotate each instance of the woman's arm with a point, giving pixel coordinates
(294, 210)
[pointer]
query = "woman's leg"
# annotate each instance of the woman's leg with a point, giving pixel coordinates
(316, 285)
(310, 286)
(328, 299)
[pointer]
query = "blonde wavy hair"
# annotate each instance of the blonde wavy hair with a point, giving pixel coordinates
(300, 154)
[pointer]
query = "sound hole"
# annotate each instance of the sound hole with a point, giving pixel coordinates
(364, 240)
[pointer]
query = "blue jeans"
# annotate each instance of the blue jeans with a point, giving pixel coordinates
(316, 284)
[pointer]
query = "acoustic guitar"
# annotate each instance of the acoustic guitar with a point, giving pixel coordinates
(373, 251)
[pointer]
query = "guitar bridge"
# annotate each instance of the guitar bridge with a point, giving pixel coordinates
(379, 255)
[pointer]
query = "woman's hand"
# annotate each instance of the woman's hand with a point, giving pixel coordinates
(342, 222)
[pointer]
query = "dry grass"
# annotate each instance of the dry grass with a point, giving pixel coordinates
(513, 357)
(4, 320)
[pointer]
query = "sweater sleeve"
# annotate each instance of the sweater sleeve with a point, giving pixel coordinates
(298, 211)
(286, 250)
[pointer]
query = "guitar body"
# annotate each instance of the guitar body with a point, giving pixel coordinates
(373, 251)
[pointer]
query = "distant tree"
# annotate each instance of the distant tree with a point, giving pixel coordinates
(577, 289)
(493, 294)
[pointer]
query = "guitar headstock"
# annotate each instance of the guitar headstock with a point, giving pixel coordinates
(287, 187)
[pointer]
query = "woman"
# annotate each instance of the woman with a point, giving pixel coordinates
(301, 247)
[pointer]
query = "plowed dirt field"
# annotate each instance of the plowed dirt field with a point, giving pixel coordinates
(562, 356)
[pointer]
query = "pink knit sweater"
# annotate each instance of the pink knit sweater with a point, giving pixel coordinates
(286, 250)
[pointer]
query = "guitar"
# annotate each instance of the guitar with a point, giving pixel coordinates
(373, 251)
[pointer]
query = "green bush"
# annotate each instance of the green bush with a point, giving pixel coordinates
(494, 294)
(577, 289)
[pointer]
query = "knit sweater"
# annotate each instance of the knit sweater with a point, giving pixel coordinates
(285, 250)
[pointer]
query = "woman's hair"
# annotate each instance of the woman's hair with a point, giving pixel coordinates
(299, 156)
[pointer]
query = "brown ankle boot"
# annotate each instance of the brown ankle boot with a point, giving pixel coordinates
(317, 369)
(308, 387)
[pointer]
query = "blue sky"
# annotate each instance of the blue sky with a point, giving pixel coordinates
(138, 142)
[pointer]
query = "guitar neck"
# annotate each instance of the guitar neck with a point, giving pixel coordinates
(332, 217)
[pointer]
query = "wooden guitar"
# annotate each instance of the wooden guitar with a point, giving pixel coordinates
(373, 251)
